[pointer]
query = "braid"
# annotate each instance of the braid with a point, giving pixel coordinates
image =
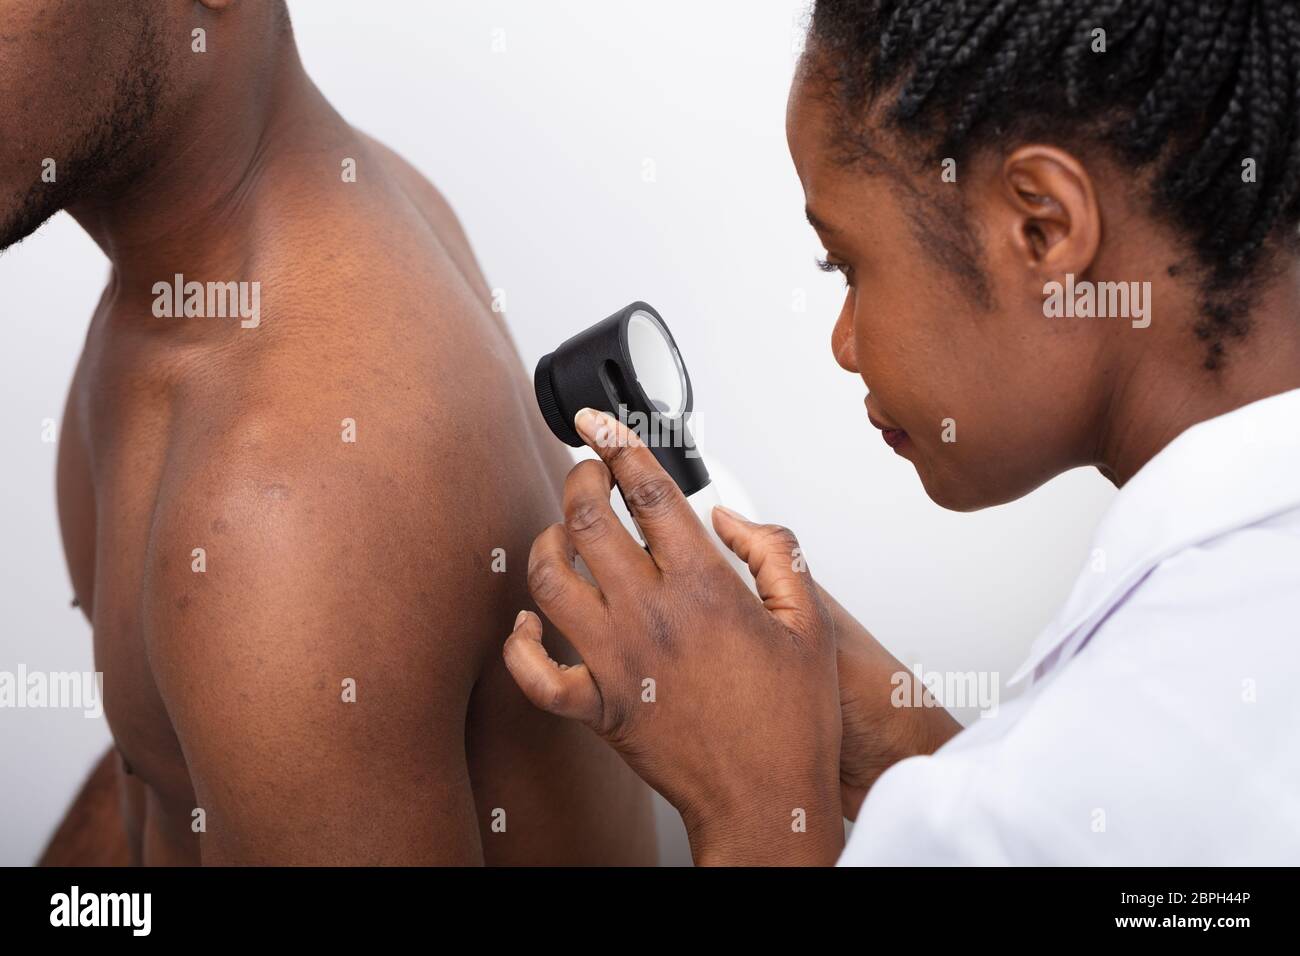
(1185, 92)
(1046, 30)
(1280, 149)
(934, 56)
(1171, 99)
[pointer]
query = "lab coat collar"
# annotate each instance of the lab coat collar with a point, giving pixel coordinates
(1218, 475)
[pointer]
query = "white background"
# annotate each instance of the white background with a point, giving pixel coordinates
(543, 149)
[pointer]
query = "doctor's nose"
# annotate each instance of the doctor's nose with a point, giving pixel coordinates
(842, 340)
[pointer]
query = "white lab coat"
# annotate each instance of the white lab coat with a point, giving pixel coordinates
(1161, 721)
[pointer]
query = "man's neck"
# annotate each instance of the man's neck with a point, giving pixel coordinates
(188, 206)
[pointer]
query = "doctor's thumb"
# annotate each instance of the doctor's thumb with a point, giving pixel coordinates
(780, 570)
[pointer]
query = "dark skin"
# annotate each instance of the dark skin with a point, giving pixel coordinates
(326, 560)
(94, 831)
(750, 728)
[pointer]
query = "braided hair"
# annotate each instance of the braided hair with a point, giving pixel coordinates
(1186, 91)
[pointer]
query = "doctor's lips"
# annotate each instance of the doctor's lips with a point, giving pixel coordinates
(893, 436)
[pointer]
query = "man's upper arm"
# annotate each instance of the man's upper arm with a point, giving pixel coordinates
(315, 672)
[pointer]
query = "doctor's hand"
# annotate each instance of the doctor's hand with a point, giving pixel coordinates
(877, 732)
(726, 705)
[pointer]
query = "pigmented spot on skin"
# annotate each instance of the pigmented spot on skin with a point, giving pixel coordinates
(182, 602)
(220, 526)
(661, 632)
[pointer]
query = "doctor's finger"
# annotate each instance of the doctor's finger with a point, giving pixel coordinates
(609, 551)
(555, 688)
(573, 603)
(673, 533)
(780, 571)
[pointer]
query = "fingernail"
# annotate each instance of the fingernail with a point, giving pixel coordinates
(588, 421)
(729, 513)
(520, 619)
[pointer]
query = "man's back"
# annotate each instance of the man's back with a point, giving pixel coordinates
(302, 538)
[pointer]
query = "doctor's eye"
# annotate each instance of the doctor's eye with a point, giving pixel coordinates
(829, 265)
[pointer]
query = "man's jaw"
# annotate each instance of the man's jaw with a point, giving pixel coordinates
(21, 217)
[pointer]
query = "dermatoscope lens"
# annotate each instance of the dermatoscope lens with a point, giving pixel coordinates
(656, 363)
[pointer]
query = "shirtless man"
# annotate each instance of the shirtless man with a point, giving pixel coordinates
(282, 531)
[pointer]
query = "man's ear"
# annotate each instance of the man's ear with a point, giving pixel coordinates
(1054, 218)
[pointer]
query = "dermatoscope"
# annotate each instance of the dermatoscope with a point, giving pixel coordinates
(629, 366)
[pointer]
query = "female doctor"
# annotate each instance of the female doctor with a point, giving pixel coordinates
(1068, 228)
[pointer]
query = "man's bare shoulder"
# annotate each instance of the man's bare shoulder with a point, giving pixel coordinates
(343, 498)
(355, 482)
(383, 244)
(366, 432)
(427, 197)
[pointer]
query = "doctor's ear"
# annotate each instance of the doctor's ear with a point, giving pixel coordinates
(1049, 208)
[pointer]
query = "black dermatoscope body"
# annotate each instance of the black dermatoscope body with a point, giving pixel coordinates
(629, 366)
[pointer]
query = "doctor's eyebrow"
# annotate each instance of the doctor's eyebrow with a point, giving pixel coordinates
(815, 222)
